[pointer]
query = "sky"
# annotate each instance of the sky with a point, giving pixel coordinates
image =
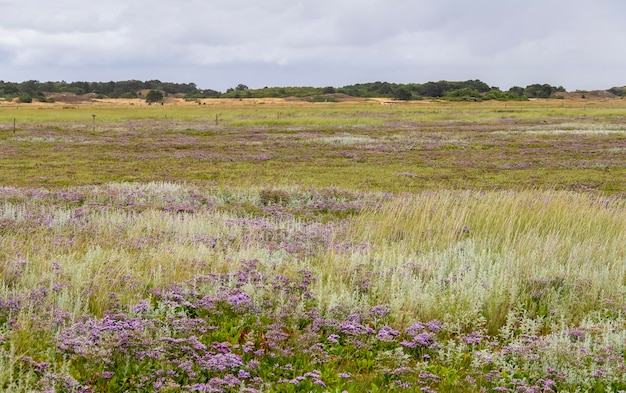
(218, 44)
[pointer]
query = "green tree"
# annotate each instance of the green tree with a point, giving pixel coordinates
(25, 98)
(463, 94)
(539, 91)
(477, 85)
(497, 94)
(154, 96)
(402, 94)
(517, 90)
(433, 89)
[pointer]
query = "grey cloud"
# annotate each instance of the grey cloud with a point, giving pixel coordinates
(306, 40)
(60, 16)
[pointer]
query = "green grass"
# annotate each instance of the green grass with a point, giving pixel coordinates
(362, 146)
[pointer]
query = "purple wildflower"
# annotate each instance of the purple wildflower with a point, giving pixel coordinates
(576, 334)
(402, 370)
(387, 334)
(473, 338)
(352, 328)
(425, 339)
(56, 267)
(403, 385)
(38, 367)
(220, 362)
(425, 375)
(253, 364)
(414, 329)
(434, 326)
(408, 344)
(313, 374)
(240, 299)
(141, 307)
(380, 311)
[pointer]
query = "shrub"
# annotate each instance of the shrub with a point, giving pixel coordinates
(25, 98)
(273, 197)
(134, 95)
(464, 94)
(154, 96)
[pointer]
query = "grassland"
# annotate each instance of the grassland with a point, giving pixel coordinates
(358, 146)
(297, 247)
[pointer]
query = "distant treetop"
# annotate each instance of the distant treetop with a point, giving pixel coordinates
(470, 90)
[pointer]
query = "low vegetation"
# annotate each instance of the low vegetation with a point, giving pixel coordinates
(310, 247)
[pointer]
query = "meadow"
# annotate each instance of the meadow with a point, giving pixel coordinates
(274, 246)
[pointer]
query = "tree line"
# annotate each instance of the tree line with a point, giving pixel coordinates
(36, 90)
(470, 90)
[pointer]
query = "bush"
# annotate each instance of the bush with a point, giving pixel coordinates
(130, 95)
(499, 95)
(464, 94)
(25, 98)
(154, 96)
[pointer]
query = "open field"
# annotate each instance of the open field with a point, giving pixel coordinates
(360, 146)
(296, 247)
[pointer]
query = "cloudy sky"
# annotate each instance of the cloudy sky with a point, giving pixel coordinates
(218, 44)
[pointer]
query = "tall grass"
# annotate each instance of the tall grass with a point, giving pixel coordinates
(559, 254)
(431, 255)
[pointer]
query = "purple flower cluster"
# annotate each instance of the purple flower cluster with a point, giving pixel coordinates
(387, 334)
(209, 335)
(422, 335)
